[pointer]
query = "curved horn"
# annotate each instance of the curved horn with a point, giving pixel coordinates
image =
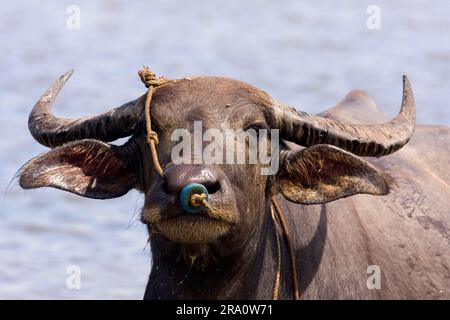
(51, 131)
(364, 140)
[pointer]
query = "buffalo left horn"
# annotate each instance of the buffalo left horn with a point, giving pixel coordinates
(51, 131)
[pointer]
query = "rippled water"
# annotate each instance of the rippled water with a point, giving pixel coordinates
(305, 55)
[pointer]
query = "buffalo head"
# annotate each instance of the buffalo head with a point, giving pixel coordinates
(82, 160)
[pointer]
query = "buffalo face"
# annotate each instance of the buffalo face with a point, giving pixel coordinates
(82, 162)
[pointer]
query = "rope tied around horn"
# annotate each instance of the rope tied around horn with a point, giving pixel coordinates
(151, 81)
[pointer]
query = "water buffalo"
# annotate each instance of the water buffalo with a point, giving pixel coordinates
(344, 213)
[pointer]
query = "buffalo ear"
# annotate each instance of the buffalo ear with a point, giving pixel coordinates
(324, 173)
(88, 168)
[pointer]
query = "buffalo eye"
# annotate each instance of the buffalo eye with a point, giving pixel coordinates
(255, 127)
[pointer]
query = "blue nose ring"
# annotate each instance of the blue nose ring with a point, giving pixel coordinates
(186, 194)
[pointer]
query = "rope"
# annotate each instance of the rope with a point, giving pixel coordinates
(151, 81)
(198, 199)
(289, 246)
(276, 281)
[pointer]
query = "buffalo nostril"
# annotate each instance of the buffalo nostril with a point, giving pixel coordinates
(165, 186)
(212, 187)
(176, 177)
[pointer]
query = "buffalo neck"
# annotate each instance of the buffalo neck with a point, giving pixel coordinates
(248, 273)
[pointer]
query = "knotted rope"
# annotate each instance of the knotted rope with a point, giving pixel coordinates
(277, 277)
(198, 199)
(151, 81)
(287, 238)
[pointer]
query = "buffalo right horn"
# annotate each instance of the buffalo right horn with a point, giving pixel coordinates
(372, 140)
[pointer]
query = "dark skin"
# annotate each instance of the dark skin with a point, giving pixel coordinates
(238, 260)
